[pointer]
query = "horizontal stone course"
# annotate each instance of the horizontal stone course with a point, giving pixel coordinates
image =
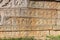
(39, 19)
(36, 34)
(29, 19)
(44, 5)
(55, 33)
(41, 13)
(21, 28)
(56, 28)
(13, 3)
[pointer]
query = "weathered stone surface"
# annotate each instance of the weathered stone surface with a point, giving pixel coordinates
(58, 12)
(50, 5)
(57, 27)
(55, 33)
(40, 13)
(21, 22)
(24, 12)
(11, 12)
(9, 28)
(58, 5)
(54, 22)
(34, 4)
(58, 21)
(42, 28)
(7, 16)
(9, 34)
(19, 28)
(36, 34)
(41, 22)
(48, 22)
(45, 5)
(13, 3)
(1, 17)
(8, 21)
(33, 22)
(28, 24)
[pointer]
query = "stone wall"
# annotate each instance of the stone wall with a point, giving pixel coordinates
(21, 18)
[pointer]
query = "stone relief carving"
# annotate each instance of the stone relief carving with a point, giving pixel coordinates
(13, 3)
(1, 17)
(7, 16)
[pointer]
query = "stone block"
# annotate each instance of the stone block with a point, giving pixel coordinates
(36, 4)
(50, 5)
(8, 21)
(57, 28)
(36, 13)
(58, 12)
(32, 24)
(54, 14)
(24, 12)
(54, 22)
(23, 23)
(43, 22)
(36, 22)
(13, 3)
(49, 13)
(47, 22)
(58, 22)
(40, 13)
(33, 21)
(55, 33)
(58, 5)
(38, 34)
(12, 28)
(12, 12)
(7, 14)
(1, 17)
(45, 5)
(9, 34)
(43, 27)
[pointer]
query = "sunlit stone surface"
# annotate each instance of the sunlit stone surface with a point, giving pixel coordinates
(22, 18)
(13, 3)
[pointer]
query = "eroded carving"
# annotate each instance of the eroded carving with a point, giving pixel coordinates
(13, 3)
(1, 17)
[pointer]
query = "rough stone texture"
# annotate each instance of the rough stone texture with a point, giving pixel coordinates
(9, 34)
(39, 13)
(36, 34)
(13, 3)
(58, 5)
(58, 21)
(36, 4)
(50, 5)
(55, 33)
(45, 5)
(37, 19)
(56, 28)
(58, 14)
